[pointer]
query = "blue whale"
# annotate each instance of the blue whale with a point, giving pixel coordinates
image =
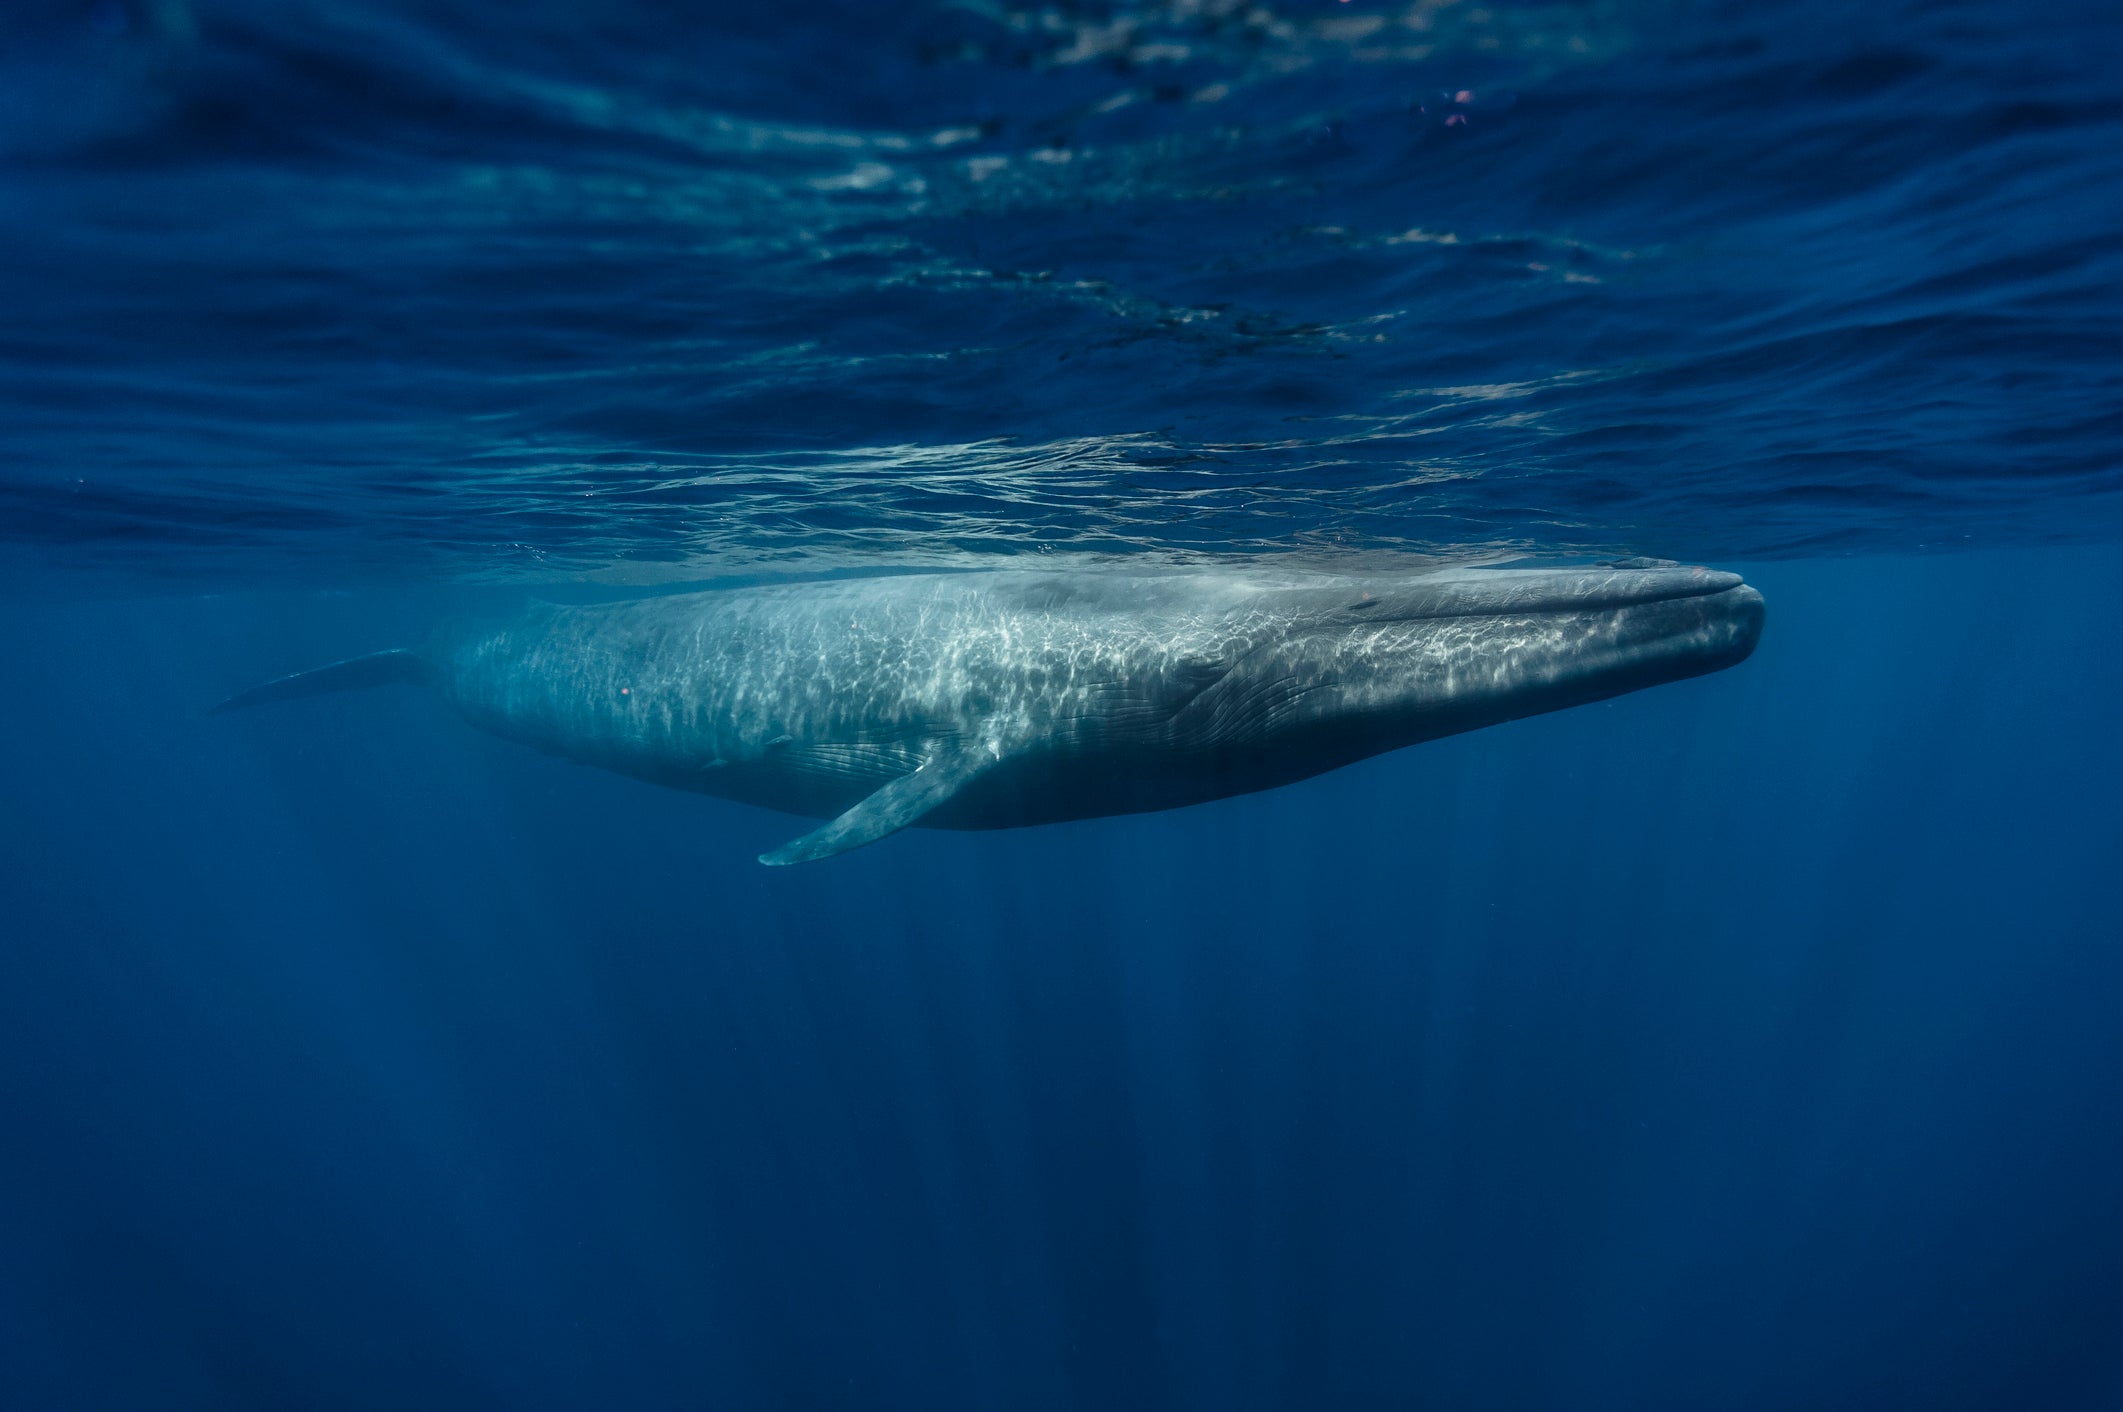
(992, 700)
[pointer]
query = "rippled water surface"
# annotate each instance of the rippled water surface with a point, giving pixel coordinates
(649, 292)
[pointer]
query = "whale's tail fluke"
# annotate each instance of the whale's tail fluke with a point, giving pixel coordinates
(376, 669)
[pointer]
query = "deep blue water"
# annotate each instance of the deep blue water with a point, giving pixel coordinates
(1751, 1042)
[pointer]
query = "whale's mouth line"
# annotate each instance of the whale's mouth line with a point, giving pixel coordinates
(1503, 593)
(1733, 587)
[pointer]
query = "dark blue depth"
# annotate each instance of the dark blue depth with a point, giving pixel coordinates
(1749, 1042)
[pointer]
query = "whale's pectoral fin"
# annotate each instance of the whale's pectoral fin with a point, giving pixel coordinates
(949, 768)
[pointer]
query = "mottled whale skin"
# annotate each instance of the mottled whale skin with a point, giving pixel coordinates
(991, 700)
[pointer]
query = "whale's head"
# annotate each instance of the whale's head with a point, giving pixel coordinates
(1585, 633)
(1391, 661)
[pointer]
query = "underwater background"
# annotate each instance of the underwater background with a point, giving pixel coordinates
(1750, 1042)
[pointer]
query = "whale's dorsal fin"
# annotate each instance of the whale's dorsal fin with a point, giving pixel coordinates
(950, 767)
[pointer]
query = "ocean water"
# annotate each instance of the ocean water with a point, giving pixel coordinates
(1751, 1042)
